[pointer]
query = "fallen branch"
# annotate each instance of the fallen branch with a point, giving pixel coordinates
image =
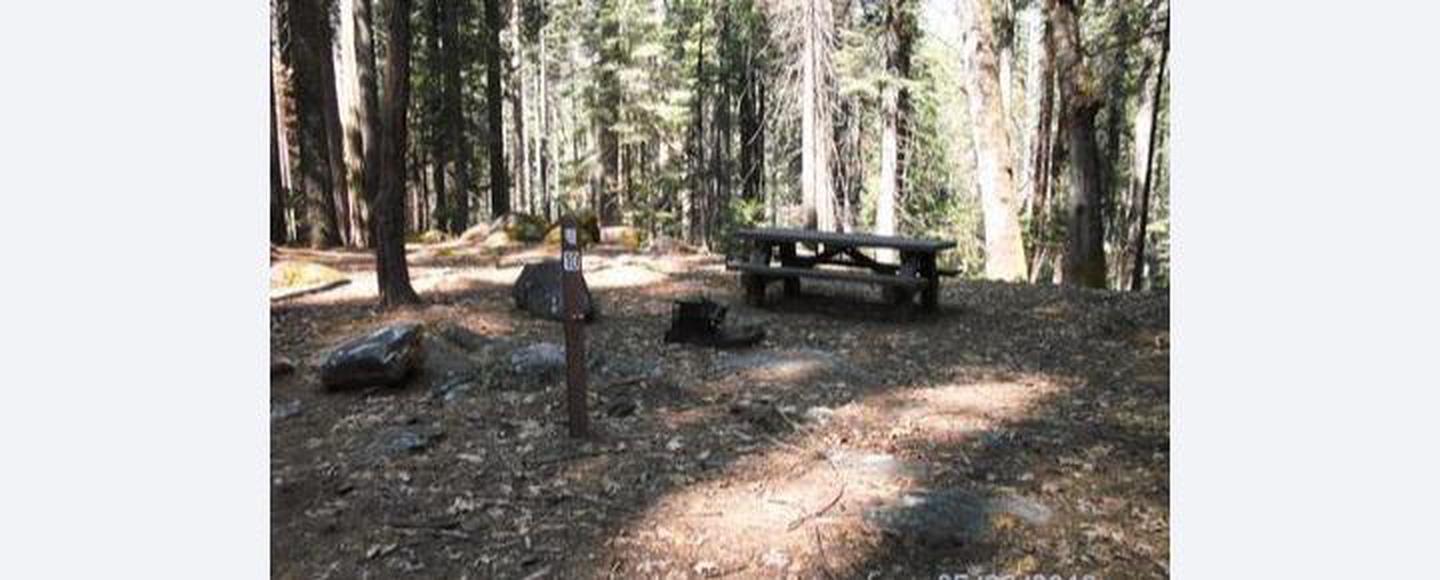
(624, 382)
(820, 512)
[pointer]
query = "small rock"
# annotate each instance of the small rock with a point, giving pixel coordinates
(819, 415)
(455, 388)
(538, 358)
(280, 365)
(405, 441)
(674, 444)
(706, 568)
(284, 410)
(623, 407)
(775, 559)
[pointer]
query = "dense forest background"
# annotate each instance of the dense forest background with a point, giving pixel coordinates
(1034, 132)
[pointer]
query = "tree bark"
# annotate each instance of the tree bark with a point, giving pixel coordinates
(390, 267)
(1041, 147)
(1084, 262)
(307, 47)
(459, 206)
(334, 135)
(752, 153)
(519, 146)
(357, 60)
(994, 159)
(888, 196)
(693, 204)
(437, 109)
(546, 143)
(277, 189)
(365, 114)
(817, 195)
(494, 100)
(1137, 274)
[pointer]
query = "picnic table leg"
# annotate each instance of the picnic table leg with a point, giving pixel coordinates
(754, 284)
(930, 294)
(787, 258)
(909, 268)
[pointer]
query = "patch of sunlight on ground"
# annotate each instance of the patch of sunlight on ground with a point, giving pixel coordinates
(297, 274)
(790, 494)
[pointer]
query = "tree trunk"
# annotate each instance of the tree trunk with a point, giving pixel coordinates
(282, 81)
(817, 195)
(355, 34)
(889, 165)
(459, 206)
(334, 142)
(905, 29)
(890, 131)
(436, 115)
(694, 202)
(277, 189)
(1137, 275)
(1084, 262)
(494, 100)
(308, 48)
(547, 144)
(751, 125)
(720, 152)
(517, 113)
(994, 157)
(390, 268)
(1041, 166)
(364, 115)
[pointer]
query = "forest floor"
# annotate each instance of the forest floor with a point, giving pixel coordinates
(1020, 430)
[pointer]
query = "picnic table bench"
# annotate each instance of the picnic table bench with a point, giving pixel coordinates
(916, 274)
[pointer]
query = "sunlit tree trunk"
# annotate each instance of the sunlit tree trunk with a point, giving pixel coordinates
(752, 152)
(361, 115)
(547, 143)
(334, 134)
(390, 267)
(1041, 164)
(517, 113)
(1137, 274)
(817, 195)
(353, 115)
(994, 157)
(282, 93)
(887, 198)
(1084, 263)
(494, 100)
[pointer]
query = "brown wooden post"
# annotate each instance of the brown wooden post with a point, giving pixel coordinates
(570, 281)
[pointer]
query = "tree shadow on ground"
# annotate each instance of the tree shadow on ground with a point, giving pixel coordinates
(504, 494)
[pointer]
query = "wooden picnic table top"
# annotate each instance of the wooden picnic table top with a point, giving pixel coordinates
(845, 239)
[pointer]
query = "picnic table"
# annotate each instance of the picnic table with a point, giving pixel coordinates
(838, 256)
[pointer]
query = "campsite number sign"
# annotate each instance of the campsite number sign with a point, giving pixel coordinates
(570, 281)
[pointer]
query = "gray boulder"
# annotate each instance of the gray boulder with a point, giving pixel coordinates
(537, 291)
(543, 363)
(952, 515)
(382, 358)
(540, 358)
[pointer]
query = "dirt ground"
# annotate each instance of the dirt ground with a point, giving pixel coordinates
(1019, 430)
